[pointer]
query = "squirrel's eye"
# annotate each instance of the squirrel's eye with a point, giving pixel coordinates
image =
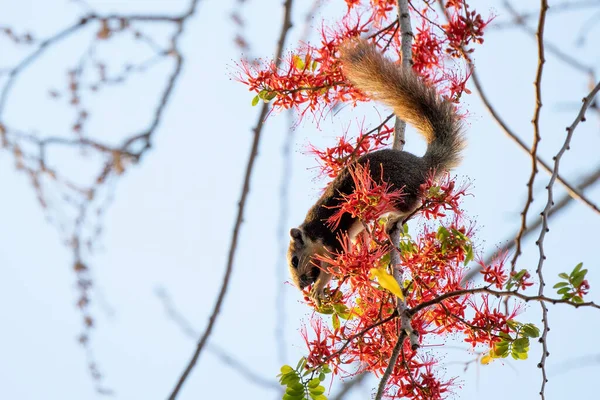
(295, 262)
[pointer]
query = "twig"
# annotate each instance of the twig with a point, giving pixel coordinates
(540, 242)
(497, 293)
(572, 191)
(187, 328)
(287, 24)
(391, 365)
(537, 137)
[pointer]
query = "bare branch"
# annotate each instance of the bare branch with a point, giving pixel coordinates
(505, 293)
(186, 327)
(287, 24)
(540, 242)
(537, 137)
(391, 365)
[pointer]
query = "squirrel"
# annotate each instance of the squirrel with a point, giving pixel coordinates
(413, 101)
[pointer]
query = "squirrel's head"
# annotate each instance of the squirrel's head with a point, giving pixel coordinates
(304, 268)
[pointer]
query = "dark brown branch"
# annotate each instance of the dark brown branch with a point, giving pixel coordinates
(540, 242)
(391, 365)
(287, 24)
(537, 137)
(504, 293)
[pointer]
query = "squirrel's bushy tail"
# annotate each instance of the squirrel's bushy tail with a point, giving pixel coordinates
(410, 98)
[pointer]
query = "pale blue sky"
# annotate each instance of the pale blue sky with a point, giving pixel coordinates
(170, 223)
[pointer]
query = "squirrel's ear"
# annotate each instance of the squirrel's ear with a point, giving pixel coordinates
(296, 235)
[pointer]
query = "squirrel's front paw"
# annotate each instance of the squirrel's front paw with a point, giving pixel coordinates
(316, 294)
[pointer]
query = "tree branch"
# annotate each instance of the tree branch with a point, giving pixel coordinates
(391, 365)
(550, 202)
(504, 293)
(287, 24)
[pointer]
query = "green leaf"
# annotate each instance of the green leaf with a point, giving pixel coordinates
(521, 344)
(563, 275)
(579, 277)
(313, 383)
(325, 310)
(262, 94)
(298, 62)
(289, 379)
(519, 275)
(469, 257)
(255, 100)
(301, 364)
(336, 321)
(270, 96)
(317, 391)
(500, 352)
(385, 260)
(512, 324)
(294, 392)
(563, 290)
(322, 376)
(560, 284)
(518, 355)
(576, 269)
(577, 299)
(325, 368)
(286, 369)
(288, 396)
(530, 330)
(340, 309)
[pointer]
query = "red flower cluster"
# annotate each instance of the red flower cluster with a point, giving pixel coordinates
(334, 159)
(441, 195)
(365, 323)
(369, 199)
(310, 80)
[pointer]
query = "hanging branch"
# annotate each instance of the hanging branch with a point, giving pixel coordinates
(286, 26)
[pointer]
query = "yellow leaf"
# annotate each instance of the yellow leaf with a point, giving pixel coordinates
(485, 360)
(387, 281)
